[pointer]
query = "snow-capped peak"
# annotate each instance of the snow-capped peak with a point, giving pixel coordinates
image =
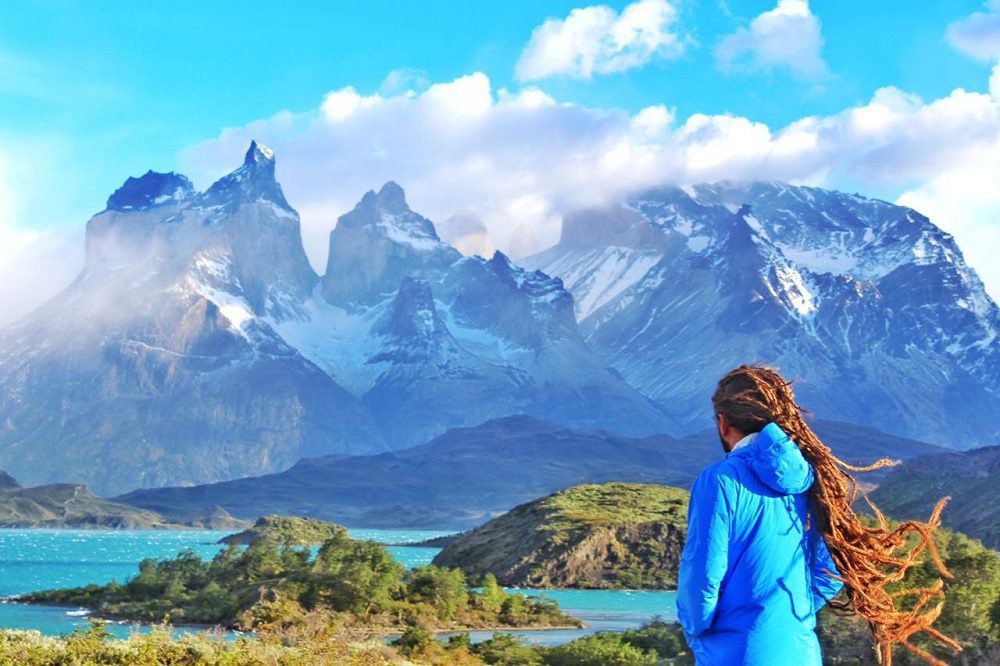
(257, 153)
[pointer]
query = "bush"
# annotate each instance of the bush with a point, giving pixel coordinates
(508, 650)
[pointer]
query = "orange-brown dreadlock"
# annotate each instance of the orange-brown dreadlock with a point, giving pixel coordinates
(868, 558)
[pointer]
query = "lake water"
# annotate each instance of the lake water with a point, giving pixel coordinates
(32, 560)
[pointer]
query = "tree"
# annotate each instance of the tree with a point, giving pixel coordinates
(492, 595)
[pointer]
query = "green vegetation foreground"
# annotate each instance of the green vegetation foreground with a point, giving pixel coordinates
(322, 642)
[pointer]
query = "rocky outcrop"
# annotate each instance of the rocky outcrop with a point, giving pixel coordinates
(609, 536)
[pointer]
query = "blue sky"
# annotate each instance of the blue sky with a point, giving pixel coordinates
(91, 93)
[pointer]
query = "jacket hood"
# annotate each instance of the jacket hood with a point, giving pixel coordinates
(777, 461)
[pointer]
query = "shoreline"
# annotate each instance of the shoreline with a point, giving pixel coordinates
(385, 632)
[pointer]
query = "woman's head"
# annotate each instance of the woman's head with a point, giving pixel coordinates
(868, 556)
(747, 399)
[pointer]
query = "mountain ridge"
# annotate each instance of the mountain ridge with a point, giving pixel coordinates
(468, 475)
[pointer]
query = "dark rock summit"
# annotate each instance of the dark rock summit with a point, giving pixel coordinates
(253, 181)
(151, 190)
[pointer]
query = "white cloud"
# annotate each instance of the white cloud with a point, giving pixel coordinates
(34, 265)
(341, 104)
(598, 40)
(520, 158)
(978, 35)
(787, 36)
(965, 201)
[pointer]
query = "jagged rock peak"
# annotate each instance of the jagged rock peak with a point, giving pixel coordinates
(537, 284)
(388, 215)
(413, 311)
(501, 260)
(253, 181)
(413, 327)
(390, 199)
(258, 154)
(150, 190)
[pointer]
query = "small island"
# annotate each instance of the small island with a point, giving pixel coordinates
(287, 531)
(593, 536)
(268, 582)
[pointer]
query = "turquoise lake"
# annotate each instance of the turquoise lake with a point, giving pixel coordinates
(33, 560)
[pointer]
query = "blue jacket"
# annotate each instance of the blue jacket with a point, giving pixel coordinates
(752, 577)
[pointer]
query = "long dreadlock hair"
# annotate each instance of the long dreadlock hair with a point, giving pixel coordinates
(868, 558)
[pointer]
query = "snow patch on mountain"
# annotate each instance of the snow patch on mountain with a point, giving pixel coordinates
(401, 229)
(596, 276)
(338, 341)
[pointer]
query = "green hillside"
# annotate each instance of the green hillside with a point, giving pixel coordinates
(970, 478)
(609, 536)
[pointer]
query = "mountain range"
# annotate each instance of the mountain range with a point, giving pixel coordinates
(869, 304)
(198, 344)
(469, 475)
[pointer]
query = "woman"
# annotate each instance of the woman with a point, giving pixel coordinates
(772, 537)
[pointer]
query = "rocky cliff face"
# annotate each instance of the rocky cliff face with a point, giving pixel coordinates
(158, 364)
(870, 304)
(376, 245)
(609, 536)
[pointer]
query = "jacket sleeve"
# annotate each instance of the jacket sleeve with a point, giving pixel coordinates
(824, 585)
(705, 560)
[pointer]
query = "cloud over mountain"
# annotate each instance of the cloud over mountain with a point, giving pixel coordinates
(520, 159)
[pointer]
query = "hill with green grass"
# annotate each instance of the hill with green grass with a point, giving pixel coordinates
(603, 536)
